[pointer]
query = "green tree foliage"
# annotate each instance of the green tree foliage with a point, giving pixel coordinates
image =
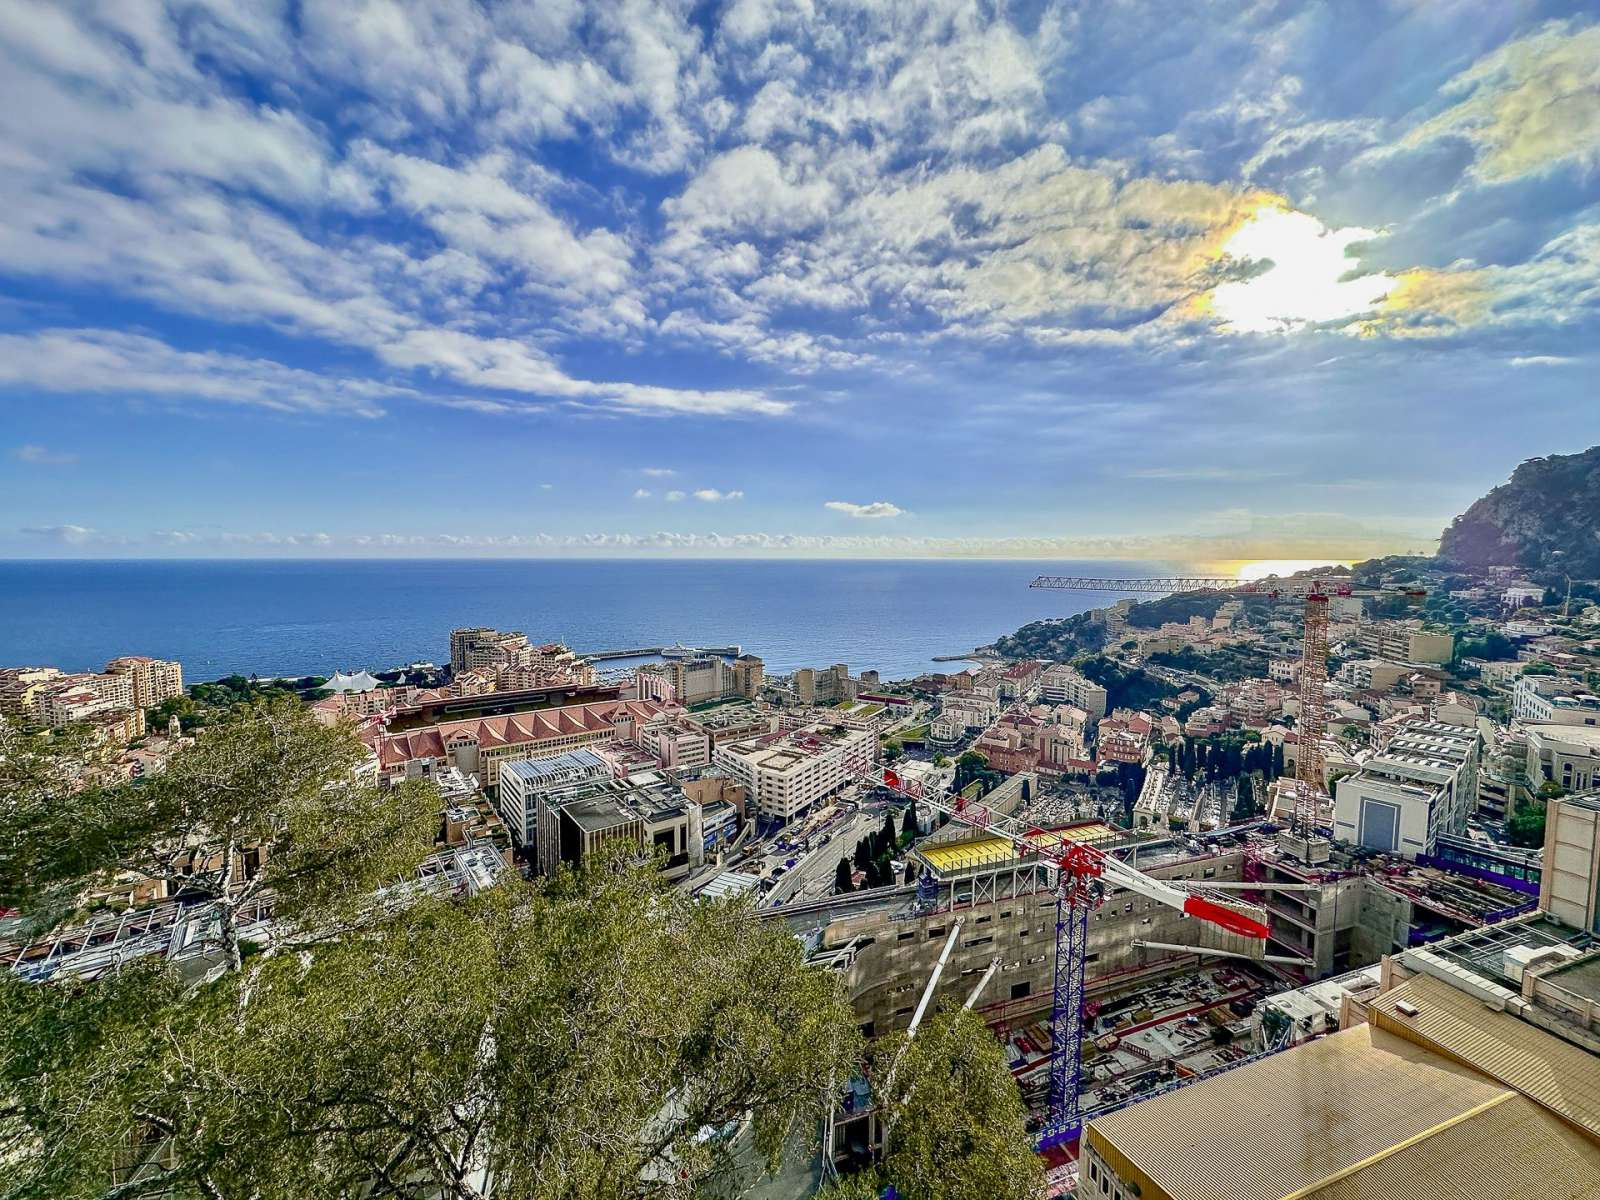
(573, 1039)
(270, 801)
(1126, 687)
(957, 1123)
(908, 825)
(1526, 825)
(842, 877)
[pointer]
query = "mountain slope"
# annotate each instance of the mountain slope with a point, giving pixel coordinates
(1549, 505)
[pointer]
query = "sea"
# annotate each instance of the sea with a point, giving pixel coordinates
(312, 617)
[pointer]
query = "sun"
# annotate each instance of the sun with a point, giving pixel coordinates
(1263, 567)
(1309, 280)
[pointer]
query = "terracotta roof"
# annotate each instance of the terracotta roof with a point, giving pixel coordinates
(396, 749)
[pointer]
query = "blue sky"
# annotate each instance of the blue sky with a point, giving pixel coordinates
(415, 277)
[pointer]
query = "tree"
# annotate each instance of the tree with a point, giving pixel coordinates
(1526, 825)
(957, 1126)
(908, 824)
(863, 855)
(572, 1038)
(888, 837)
(843, 881)
(269, 801)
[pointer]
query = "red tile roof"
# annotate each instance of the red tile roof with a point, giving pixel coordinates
(397, 749)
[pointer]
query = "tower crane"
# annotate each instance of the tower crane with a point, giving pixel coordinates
(1085, 875)
(1312, 723)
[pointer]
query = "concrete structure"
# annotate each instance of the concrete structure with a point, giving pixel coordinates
(482, 648)
(1569, 886)
(1424, 782)
(1405, 641)
(787, 773)
(1064, 684)
(1567, 755)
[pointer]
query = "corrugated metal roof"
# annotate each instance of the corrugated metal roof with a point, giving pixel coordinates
(1508, 1149)
(1294, 1122)
(1563, 1077)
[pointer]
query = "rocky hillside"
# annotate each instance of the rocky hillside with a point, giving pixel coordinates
(1549, 505)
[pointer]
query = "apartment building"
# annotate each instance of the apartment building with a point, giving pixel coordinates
(1423, 783)
(1547, 699)
(20, 690)
(748, 674)
(826, 685)
(1063, 684)
(1405, 641)
(677, 744)
(481, 648)
(152, 680)
(785, 774)
(692, 680)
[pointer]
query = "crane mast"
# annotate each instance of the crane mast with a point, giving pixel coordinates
(1084, 876)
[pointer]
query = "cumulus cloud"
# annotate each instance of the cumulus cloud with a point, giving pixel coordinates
(673, 497)
(641, 493)
(69, 535)
(713, 496)
(1542, 360)
(877, 510)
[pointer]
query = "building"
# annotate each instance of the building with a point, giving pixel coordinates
(971, 709)
(481, 648)
(749, 672)
(694, 679)
(1566, 755)
(1366, 1112)
(526, 786)
(153, 680)
(482, 746)
(1062, 684)
(20, 690)
(1546, 698)
(677, 743)
(828, 685)
(1021, 681)
(1569, 885)
(1423, 783)
(1405, 641)
(786, 773)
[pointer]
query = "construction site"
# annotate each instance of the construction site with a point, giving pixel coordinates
(1119, 963)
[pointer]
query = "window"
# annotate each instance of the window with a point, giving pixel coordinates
(980, 941)
(1019, 990)
(939, 932)
(906, 936)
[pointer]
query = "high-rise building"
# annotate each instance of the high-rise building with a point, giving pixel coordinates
(481, 648)
(153, 680)
(748, 674)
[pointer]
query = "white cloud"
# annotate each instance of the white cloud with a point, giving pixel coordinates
(658, 472)
(1542, 360)
(673, 497)
(104, 361)
(43, 456)
(713, 496)
(641, 493)
(70, 535)
(877, 510)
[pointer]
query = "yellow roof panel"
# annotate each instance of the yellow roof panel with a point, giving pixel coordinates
(993, 850)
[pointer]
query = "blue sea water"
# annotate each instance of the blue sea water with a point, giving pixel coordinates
(291, 617)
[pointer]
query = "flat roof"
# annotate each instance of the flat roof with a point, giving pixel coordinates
(1360, 1113)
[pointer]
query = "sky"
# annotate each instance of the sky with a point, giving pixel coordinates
(1209, 281)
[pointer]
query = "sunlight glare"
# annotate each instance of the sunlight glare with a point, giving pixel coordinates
(1306, 283)
(1263, 567)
